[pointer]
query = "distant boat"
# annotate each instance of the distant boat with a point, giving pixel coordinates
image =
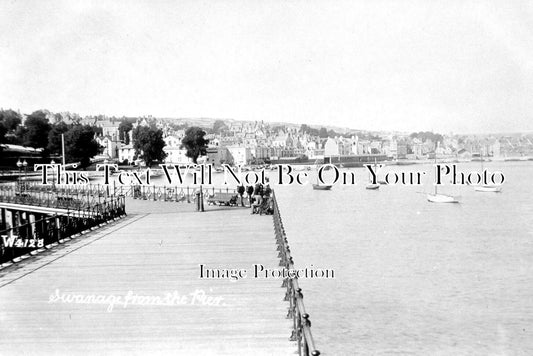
(441, 198)
(370, 185)
(318, 185)
(321, 186)
(513, 159)
(487, 188)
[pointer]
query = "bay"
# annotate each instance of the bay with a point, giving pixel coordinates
(414, 277)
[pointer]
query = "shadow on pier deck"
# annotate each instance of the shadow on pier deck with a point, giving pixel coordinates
(61, 301)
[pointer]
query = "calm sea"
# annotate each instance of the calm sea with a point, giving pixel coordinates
(415, 277)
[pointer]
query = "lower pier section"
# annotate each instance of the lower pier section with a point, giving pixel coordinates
(25, 229)
(134, 287)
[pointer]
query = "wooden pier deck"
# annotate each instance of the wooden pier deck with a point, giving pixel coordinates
(156, 249)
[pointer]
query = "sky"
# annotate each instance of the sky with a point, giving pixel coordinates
(443, 66)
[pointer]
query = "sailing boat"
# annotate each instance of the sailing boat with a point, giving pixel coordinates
(318, 185)
(441, 198)
(487, 187)
(371, 185)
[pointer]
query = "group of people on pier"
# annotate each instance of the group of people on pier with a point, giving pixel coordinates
(260, 198)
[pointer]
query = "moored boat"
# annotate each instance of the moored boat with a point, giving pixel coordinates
(435, 197)
(319, 185)
(488, 188)
(371, 186)
(322, 186)
(441, 198)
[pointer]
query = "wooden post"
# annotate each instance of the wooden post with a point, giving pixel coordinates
(3, 217)
(201, 199)
(58, 226)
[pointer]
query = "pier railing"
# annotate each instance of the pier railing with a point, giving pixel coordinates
(301, 324)
(61, 198)
(185, 194)
(31, 235)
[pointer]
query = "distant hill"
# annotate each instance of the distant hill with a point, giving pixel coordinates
(208, 122)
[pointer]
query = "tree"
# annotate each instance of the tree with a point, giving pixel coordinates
(18, 138)
(304, 128)
(54, 137)
(148, 144)
(308, 130)
(195, 143)
(219, 126)
(3, 132)
(80, 145)
(123, 129)
(10, 119)
(37, 129)
(427, 135)
(323, 133)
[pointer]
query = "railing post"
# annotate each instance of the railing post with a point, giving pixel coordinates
(58, 227)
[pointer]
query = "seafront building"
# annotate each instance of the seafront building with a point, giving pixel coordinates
(258, 142)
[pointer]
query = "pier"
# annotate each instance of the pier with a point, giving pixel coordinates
(132, 286)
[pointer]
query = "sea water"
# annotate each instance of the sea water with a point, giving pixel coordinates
(414, 277)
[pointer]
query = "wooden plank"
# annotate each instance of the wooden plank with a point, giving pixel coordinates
(150, 255)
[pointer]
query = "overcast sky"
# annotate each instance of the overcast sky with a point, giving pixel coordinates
(461, 66)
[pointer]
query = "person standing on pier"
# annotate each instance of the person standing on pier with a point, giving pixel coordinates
(240, 190)
(258, 198)
(250, 191)
(267, 192)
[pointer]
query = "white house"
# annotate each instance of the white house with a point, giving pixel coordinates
(240, 155)
(331, 148)
(126, 153)
(111, 146)
(176, 155)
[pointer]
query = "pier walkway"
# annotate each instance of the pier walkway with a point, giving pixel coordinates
(61, 301)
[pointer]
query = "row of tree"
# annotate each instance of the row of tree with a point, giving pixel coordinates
(427, 135)
(148, 143)
(38, 132)
(80, 143)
